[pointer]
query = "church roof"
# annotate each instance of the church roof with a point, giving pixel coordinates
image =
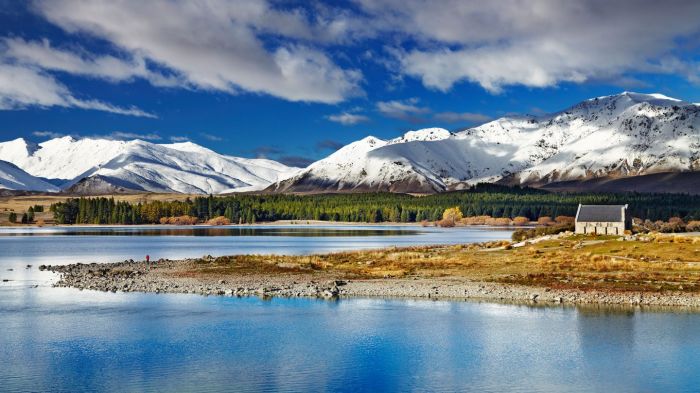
(601, 213)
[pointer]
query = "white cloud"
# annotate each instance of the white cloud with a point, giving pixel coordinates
(215, 45)
(211, 137)
(298, 52)
(103, 106)
(538, 43)
(403, 109)
(23, 86)
(348, 119)
(47, 134)
(125, 135)
(133, 135)
(80, 62)
(455, 117)
(176, 138)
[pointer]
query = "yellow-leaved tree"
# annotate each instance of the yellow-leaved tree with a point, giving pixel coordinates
(450, 217)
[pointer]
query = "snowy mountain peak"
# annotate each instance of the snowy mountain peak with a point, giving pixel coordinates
(611, 137)
(139, 165)
(363, 145)
(648, 97)
(628, 98)
(188, 146)
(426, 134)
(64, 140)
(371, 141)
(626, 134)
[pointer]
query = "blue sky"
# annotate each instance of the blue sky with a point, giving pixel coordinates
(293, 81)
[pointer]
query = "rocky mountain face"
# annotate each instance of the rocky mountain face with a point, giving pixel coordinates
(611, 137)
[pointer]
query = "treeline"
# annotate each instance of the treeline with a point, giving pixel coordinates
(481, 200)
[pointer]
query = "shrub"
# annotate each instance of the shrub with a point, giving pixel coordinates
(674, 224)
(565, 220)
(220, 220)
(179, 220)
(503, 221)
(520, 221)
(475, 220)
(545, 220)
(446, 223)
(693, 226)
(519, 235)
(12, 218)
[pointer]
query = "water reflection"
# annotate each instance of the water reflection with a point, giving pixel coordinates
(213, 231)
(66, 339)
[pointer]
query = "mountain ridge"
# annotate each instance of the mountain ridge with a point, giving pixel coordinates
(137, 165)
(589, 144)
(627, 134)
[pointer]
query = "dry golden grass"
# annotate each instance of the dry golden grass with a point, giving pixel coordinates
(663, 263)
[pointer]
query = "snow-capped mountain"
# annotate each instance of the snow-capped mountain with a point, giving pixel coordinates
(618, 142)
(13, 178)
(627, 134)
(102, 165)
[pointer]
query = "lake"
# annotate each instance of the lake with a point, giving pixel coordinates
(62, 339)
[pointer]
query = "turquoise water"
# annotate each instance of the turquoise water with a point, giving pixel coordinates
(62, 339)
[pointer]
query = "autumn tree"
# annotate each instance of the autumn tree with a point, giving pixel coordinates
(450, 217)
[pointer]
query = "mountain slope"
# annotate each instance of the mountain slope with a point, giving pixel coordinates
(355, 168)
(627, 134)
(666, 182)
(140, 166)
(13, 178)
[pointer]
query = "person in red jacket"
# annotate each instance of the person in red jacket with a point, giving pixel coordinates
(148, 258)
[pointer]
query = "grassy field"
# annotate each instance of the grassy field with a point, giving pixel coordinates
(20, 204)
(656, 263)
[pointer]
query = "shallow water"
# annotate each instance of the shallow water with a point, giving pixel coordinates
(62, 339)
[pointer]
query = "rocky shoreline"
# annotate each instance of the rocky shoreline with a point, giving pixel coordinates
(169, 276)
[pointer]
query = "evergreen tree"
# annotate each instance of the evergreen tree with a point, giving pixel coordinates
(497, 201)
